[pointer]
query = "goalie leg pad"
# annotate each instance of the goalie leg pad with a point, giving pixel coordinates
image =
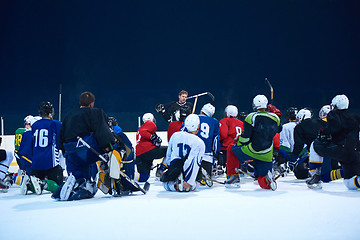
(102, 177)
(86, 189)
(67, 188)
(115, 164)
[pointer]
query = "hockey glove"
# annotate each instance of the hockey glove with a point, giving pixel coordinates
(273, 109)
(155, 139)
(160, 108)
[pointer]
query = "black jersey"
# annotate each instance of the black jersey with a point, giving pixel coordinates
(175, 108)
(343, 127)
(305, 133)
(83, 122)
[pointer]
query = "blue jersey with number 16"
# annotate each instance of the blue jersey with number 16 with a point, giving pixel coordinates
(45, 134)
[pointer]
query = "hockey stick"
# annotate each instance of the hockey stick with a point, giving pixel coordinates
(206, 178)
(18, 155)
(199, 95)
(275, 178)
(202, 94)
(131, 181)
(240, 170)
(195, 102)
(271, 89)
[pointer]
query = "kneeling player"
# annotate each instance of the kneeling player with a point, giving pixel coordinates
(5, 178)
(183, 157)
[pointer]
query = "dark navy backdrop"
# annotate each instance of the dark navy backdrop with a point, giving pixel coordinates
(135, 54)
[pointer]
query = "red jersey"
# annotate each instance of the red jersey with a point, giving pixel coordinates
(174, 127)
(143, 143)
(276, 141)
(230, 130)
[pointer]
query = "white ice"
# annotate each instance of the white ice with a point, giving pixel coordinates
(291, 212)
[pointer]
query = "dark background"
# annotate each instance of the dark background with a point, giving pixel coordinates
(135, 54)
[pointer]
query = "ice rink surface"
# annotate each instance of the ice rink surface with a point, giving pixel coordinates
(291, 212)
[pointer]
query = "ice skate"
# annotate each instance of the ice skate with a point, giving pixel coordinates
(271, 181)
(25, 185)
(314, 182)
(6, 183)
(3, 186)
(279, 170)
(232, 181)
(160, 168)
(37, 184)
(206, 179)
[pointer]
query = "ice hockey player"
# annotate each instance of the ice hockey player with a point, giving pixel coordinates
(183, 157)
(256, 143)
(124, 161)
(6, 178)
(91, 124)
(209, 132)
(175, 126)
(18, 137)
(286, 140)
(46, 172)
(20, 134)
(304, 134)
(338, 140)
(123, 145)
(276, 139)
(148, 147)
(170, 111)
(230, 130)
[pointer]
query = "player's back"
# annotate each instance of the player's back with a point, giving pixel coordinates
(209, 130)
(45, 144)
(230, 130)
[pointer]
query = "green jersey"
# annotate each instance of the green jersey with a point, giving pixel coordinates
(18, 136)
(257, 138)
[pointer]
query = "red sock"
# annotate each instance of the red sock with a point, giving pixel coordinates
(263, 183)
(232, 161)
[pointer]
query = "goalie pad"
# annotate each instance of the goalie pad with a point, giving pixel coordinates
(108, 172)
(103, 179)
(115, 164)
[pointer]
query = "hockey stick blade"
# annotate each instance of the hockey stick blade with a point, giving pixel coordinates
(211, 96)
(131, 181)
(271, 88)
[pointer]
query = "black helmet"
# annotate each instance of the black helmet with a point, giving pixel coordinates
(291, 113)
(46, 108)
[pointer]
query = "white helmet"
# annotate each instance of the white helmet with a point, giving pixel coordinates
(27, 119)
(208, 109)
(231, 111)
(148, 117)
(34, 119)
(303, 114)
(340, 102)
(324, 111)
(192, 122)
(260, 101)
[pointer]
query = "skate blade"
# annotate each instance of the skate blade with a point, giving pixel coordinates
(314, 186)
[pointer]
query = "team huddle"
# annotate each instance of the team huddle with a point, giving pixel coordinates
(97, 154)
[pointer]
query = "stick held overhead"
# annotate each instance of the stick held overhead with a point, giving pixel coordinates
(271, 89)
(202, 94)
